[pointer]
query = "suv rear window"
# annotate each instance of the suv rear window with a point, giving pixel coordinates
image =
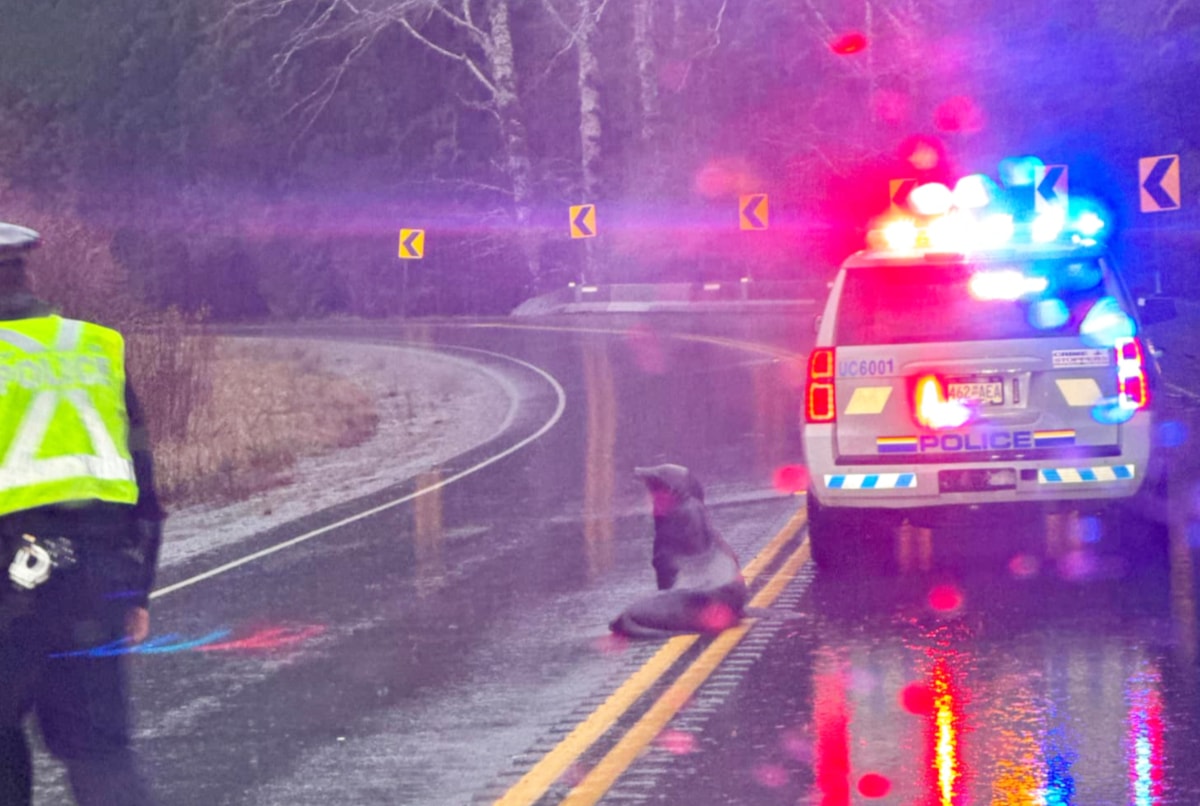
(927, 302)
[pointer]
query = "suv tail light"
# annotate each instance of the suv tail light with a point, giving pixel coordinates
(820, 405)
(1133, 391)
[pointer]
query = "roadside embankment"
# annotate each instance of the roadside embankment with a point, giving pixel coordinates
(430, 407)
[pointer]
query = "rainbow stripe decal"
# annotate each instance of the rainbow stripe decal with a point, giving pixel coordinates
(896, 444)
(1053, 439)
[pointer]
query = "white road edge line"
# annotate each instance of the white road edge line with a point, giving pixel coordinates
(558, 412)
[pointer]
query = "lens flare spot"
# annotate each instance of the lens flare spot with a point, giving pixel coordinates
(958, 114)
(891, 106)
(844, 45)
(677, 742)
(945, 598)
(917, 698)
(772, 776)
(797, 745)
(1078, 565)
(1192, 534)
(647, 349)
(1090, 529)
(791, 479)
(1172, 434)
(1024, 566)
(874, 785)
(724, 177)
(716, 617)
(575, 774)
(611, 644)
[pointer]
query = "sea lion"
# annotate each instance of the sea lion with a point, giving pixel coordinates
(699, 578)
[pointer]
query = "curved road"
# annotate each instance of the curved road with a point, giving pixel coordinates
(444, 641)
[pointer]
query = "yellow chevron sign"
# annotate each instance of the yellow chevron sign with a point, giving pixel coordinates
(583, 221)
(412, 244)
(753, 211)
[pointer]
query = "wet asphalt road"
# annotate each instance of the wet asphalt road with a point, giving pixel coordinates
(452, 648)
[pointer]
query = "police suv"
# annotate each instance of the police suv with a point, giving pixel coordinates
(974, 378)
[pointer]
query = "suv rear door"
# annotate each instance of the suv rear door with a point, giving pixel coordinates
(1027, 345)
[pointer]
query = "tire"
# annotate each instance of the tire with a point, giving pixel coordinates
(826, 536)
(849, 539)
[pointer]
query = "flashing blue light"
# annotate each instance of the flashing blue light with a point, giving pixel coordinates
(1049, 314)
(1048, 225)
(1105, 323)
(1089, 224)
(1111, 411)
(974, 191)
(1018, 171)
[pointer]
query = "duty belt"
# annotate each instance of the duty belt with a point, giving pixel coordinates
(38, 557)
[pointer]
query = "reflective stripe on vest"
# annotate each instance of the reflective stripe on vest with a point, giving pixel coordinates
(63, 424)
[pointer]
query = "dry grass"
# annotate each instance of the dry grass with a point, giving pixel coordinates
(251, 411)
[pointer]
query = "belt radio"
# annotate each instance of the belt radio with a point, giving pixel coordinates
(37, 558)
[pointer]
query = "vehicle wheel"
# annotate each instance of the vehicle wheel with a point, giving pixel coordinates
(828, 536)
(847, 539)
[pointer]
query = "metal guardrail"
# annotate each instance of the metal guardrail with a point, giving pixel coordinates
(650, 297)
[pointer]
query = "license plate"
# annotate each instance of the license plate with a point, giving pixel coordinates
(990, 393)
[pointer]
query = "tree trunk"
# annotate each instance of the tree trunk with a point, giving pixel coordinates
(589, 100)
(589, 121)
(517, 164)
(646, 56)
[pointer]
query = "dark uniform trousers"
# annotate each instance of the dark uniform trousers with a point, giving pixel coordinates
(48, 667)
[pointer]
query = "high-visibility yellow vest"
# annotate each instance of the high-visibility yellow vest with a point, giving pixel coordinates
(63, 424)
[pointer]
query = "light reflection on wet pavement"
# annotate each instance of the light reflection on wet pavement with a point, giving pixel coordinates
(966, 683)
(965, 668)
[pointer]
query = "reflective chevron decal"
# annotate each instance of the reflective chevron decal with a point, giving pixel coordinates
(872, 481)
(1077, 475)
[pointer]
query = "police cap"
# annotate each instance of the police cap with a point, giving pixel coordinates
(16, 240)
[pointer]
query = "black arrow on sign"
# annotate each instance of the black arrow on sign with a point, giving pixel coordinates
(1046, 186)
(408, 244)
(580, 223)
(1153, 185)
(750, 211)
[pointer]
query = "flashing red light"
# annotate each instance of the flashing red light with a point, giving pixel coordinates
(791, 479)
(945, 598)
(847, 44)
(917, 698)
(874, 785)
(1132, 386)
(820, 401)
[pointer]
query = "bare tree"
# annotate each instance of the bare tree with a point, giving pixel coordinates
(585, 16)
(476, 35)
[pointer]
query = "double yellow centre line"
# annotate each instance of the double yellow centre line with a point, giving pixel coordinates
(534, 784)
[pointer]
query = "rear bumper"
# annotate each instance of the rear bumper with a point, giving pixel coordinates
(1046, 480)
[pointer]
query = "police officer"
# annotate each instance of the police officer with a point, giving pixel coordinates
(80, 526)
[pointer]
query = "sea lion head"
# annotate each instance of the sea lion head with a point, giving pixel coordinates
(670, 485)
